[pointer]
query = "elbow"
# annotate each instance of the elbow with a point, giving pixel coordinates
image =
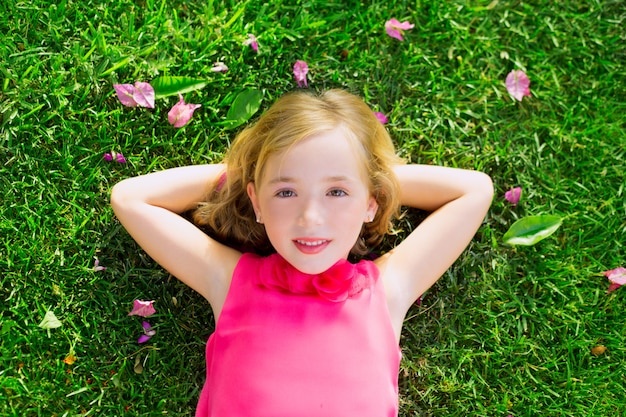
(484, 188)
(120, 195)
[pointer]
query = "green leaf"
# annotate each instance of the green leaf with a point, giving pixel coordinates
(531, 229)
(50, 321)
(169, 86)
(246, 104)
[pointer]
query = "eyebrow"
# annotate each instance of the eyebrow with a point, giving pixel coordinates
(332, 178)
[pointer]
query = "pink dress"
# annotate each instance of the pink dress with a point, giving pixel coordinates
(289, 344)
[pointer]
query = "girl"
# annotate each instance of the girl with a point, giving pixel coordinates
(301, 331)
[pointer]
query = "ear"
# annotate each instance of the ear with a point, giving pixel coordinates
(251, 190)
(372, 208)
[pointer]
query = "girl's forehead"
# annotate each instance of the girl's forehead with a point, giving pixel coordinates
(334, 152)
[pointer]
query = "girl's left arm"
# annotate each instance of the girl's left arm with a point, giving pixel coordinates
(458, 200)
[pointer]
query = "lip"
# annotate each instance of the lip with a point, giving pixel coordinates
(311, 246)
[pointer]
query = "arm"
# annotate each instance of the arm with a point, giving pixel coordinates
(149, 207)
(458, 201)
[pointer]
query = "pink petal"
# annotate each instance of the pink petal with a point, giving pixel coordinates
(616, 276)
(107, 157)
(120, 158)
(181, 113)
(142, 308)
(395, 28)
(252, 42)
(381, 117)
(143, 338)
(517, 84)
(96, 265)
(300, 70)
(219, 67)
(513, 195)
(126, 94)
(144, 95)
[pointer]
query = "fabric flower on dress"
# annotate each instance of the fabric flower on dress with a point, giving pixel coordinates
(517, 84)
(334, 284)
(395, 29)
(142, 308)
(300, 70)
(337, 284)
(252, 42)
(141, 94)
(181, 113)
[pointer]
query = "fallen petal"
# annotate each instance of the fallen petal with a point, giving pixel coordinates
(142, 308)
(513, 195)
(300, 70)
(252, 42)
(107, 157)
(219, 67)
(381, 117)
(96, 265)
(120, 158)
(126, 94)
(181, 113)
(144, 95)
(517, 84)
(395, 28)
(617, 277)
(148, 332)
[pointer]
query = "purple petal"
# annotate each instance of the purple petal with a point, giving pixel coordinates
(142, 308)
(143, 338)
(107, 157)
(181, 113)
(513, 195)
(300, 70)
(517, 84)
(96, 265)
(126, 94)
(120, 158)
(381, 117)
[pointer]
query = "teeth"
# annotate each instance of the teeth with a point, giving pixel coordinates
(310, 243)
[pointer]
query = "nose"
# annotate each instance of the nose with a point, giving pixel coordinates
(311, 213)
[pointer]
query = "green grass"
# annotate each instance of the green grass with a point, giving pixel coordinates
(507, 330)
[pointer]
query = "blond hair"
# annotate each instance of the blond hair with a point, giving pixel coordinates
(227, 212)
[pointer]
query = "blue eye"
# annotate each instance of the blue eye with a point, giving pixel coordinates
(337, 193)
(285, 193)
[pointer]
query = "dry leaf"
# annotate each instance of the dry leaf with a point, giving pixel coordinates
(598, 350)
(70, 359)
(138, 368)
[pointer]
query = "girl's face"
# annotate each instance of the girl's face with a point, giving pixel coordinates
(313, 200)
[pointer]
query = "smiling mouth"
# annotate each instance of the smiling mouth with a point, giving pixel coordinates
(311, 246)
(311, 242)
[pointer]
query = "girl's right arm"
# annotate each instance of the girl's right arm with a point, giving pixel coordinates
(149, 207)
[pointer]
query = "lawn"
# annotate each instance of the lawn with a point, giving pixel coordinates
(508, 330)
